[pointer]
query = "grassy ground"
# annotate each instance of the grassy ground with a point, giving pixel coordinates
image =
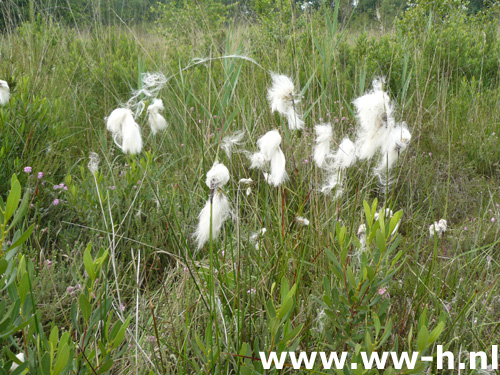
(190, 309)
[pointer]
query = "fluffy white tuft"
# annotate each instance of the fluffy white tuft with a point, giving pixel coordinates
(93, 164)
(269, 143)
(116, 119)
(221, 210)
(343, 158)
(245, 181)
(270, 152)
(131, 136)
(346, 154)
(277, 173)
(399, 139)
(231, 141)
(122, 125)
(324, 134)
(4, 92)
(438, 228)
(281, 97)
(333, 181)
(294, 119)
(258, 160)
(217, 176)
(374, 111)
(156, 121)
(302, 221)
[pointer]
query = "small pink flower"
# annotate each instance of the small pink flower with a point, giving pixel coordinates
(56, 202)
(465, 228)
(40, 175)
(48, 263)
(182, 144)
(122, 307)
(191, 109)
(493, 220)
(306, 161)
(199, 121)
(344, 118)
(112, 187)
(215, 116)
(430, 153)
(27, 169)
(383, 292)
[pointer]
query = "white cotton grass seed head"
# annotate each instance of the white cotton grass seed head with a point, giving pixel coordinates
(220, 212)
(131, 136)
(156, 121)
(245, 181)
(333, 181)
(269, 143)
(281, 98)
(302, 221)
(392, 148)
(93, 164)
(116, 119)
(438, 228)
(256, 235)
(401, 136)
(217, 176)
(324, 133)
(374, 111)
(231, 141)
(4, 92)
(277, 173)
(126, 132)
(270, 153)
(258, 161)
(345, 156)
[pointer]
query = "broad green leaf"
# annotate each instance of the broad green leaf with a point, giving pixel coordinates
(13, 198)
(88, 262)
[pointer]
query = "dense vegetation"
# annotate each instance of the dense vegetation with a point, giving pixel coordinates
(98, 269)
